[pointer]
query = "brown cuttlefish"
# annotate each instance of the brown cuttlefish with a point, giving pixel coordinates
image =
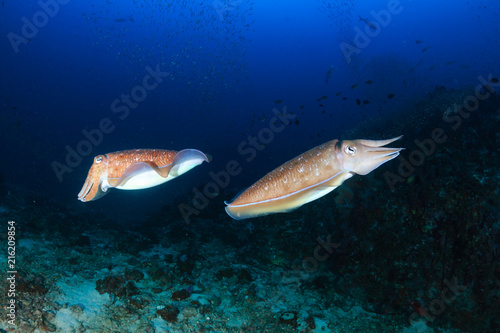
(310, 176)
(137, 169)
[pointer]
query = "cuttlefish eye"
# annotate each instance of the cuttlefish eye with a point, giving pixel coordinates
(350, 150)
(98, 159)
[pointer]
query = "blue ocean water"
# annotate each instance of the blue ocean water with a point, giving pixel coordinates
(80, 79)
(227, 63)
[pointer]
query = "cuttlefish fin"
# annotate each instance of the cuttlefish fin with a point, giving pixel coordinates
(135, 170)
(185, 160)
(100, 193)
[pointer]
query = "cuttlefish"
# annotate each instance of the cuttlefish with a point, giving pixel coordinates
(137, 169)
(310, 176)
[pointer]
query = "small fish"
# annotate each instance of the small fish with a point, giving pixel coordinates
(329, 73)
(369, 82)
(358, 101)
(390, 96)
(354, 86)
(323, 111)
(338, 94)
(494, 80)
(321, 105)
(366, 102)
(418, 41)
(279, 101)
(370, 25)
(425, 49)
(344, 98)
(302, 106)
(324, 97)
(296, 121)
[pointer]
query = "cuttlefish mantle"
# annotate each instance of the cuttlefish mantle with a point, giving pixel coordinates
(137, 169)
(310, 176)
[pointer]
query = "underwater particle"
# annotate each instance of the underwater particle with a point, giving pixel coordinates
(494, 80)
(338, 94)
(169, 313)
(369, 82)
(390, 96)
(302, 106)
(278, 101)
(296, 121)
(366, 102)
(358, 101)
(354, 86)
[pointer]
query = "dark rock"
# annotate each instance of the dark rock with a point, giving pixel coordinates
(134, 275)
(225, 273)
(82, 241)
(169, 313)
(34, 286)
(116, 285)
(245, 276)
(180, 295)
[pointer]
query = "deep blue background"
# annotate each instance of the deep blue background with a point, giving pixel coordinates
(229, 62)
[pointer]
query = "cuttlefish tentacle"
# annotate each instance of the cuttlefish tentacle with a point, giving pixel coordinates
(137, 169)
(91, 188)
(310, 176)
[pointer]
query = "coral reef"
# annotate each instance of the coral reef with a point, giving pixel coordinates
(421, 252)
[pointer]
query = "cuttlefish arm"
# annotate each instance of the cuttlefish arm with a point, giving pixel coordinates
(137, 169)
(310, 176)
